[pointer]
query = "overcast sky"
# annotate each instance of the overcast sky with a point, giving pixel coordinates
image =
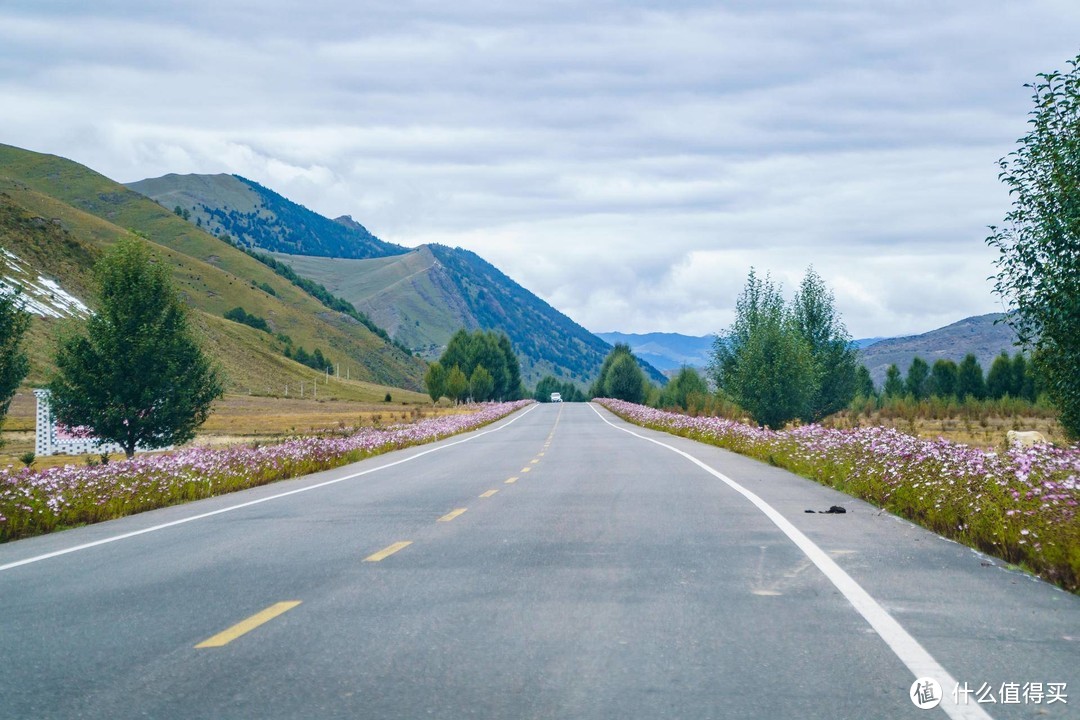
(627, 161)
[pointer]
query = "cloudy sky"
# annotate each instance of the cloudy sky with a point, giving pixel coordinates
(626, 161)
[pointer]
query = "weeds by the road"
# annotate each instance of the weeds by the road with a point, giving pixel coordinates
(1020, 505)
(36, 502)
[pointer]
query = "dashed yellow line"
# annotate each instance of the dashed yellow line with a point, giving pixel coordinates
(534, 461)
(526, 469)
(510, 481)
(452, 514)
(489, 493)
(387, 552)
(245, 626)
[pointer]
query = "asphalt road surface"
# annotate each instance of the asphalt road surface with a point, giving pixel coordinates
(557, 564)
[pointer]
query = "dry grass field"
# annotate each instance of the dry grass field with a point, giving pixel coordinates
(984, 432)
(240, 419)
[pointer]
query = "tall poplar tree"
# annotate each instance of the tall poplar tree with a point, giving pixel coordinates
(1039, 262)
(763, 362)
(834, 359)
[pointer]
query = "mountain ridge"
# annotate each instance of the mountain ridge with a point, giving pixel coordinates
(255, 216)
(985, 336)
(421, 295)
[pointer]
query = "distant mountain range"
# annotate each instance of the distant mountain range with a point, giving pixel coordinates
(666, 351)
(420, 296)
(983, 335)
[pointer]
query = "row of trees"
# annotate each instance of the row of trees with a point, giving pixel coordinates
(242, 316)
(551, 384)
(480, 366)
(314, 360)
(621, 377)
(1012, 377)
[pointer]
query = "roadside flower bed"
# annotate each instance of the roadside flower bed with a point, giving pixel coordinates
(1021, 505)
(36, 502)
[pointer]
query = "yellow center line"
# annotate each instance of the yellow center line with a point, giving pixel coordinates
(227, 636)
(526, 469)
(489, 493)
(511, 481)
(451, 515)
(387, 552)
(534, 461)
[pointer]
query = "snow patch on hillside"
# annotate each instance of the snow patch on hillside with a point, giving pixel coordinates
(39, 295)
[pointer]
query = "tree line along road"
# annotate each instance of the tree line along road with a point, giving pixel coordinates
(558, 564)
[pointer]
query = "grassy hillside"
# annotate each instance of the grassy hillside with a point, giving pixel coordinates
(981, 335)
(256, 216)
(421, 297)
(553, 343)
(410, 295)
(58, 216)
(425, 296)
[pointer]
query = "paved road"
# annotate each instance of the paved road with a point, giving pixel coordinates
(557, 566)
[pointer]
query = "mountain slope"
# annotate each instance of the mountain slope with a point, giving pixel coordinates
(256, 216)
(554, 343)
(424, 296)
(420, 296)
(58, 216)
(412, 296)
(981, 335)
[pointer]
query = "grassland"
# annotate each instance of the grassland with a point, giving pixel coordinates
(240, 418)
(984, 432)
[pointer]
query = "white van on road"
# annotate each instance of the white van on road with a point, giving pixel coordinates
(556, 397)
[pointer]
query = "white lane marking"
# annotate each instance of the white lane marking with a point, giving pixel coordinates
(907, 648)
(155, 528)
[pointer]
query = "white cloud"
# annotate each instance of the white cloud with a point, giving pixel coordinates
(627, 162)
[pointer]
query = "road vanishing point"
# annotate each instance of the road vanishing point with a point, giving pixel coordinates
(560, 563)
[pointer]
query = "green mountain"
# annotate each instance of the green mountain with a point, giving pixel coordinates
(257, 217)
(982, 335)
(57, 216)
(421, 296)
